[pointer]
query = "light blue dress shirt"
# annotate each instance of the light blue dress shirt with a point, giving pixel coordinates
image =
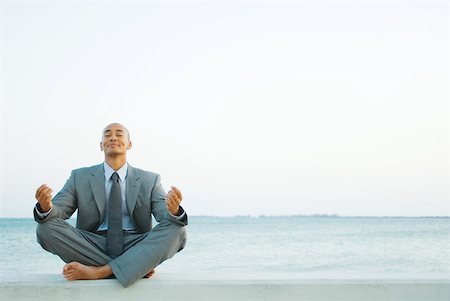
(127, 224)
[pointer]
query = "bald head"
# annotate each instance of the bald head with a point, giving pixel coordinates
(118, 127)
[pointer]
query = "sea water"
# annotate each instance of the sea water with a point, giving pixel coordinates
(297, 247)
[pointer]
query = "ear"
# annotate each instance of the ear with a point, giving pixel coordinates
(101, 146)
(129, 145)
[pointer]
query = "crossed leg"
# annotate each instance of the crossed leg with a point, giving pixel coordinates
(85, 252)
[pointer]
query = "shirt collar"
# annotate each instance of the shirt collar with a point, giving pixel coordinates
(122, 172)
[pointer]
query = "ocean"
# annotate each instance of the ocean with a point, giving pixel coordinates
(297, 247)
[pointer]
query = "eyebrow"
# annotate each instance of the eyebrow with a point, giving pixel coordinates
(108, 131)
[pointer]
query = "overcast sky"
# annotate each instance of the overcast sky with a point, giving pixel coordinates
(249, 108)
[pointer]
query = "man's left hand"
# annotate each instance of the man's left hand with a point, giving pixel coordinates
(173, 200)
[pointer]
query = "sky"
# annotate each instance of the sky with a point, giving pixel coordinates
(249, 108)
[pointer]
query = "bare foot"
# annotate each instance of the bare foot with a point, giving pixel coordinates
(78, 271)
(150, 274)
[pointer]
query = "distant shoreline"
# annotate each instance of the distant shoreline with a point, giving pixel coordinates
(289, 216)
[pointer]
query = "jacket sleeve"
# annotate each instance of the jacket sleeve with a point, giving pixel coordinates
(159, 207)
(64, 203)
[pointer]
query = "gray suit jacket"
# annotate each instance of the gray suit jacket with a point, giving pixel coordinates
(85, 191)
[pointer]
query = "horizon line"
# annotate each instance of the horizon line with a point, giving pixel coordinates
(287, 216)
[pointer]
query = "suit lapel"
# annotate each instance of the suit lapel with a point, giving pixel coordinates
(97, 182)
(133, 184)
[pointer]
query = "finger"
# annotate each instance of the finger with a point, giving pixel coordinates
(171, 204)
(42, 193)
(169, 208)
(173, 209)
(40, 188)
(48, 191)
(174, 202)
(172, 196)
(177, 192)
(43, 190)
(48, 196)
(175, 196)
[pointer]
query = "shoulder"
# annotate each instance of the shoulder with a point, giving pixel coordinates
(89, 170)
(149, 175)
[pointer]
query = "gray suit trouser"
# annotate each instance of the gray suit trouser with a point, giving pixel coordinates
(142, 252)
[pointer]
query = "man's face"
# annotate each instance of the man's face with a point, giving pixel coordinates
(115, 140)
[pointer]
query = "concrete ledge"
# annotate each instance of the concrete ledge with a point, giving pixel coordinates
(204, 287)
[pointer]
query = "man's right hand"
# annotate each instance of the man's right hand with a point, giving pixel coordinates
(44, 198)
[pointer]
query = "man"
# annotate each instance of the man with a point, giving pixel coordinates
(113, 234)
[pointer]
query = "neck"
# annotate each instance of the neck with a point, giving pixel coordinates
(116, 162)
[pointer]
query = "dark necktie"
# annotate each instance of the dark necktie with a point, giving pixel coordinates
(114, 238)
